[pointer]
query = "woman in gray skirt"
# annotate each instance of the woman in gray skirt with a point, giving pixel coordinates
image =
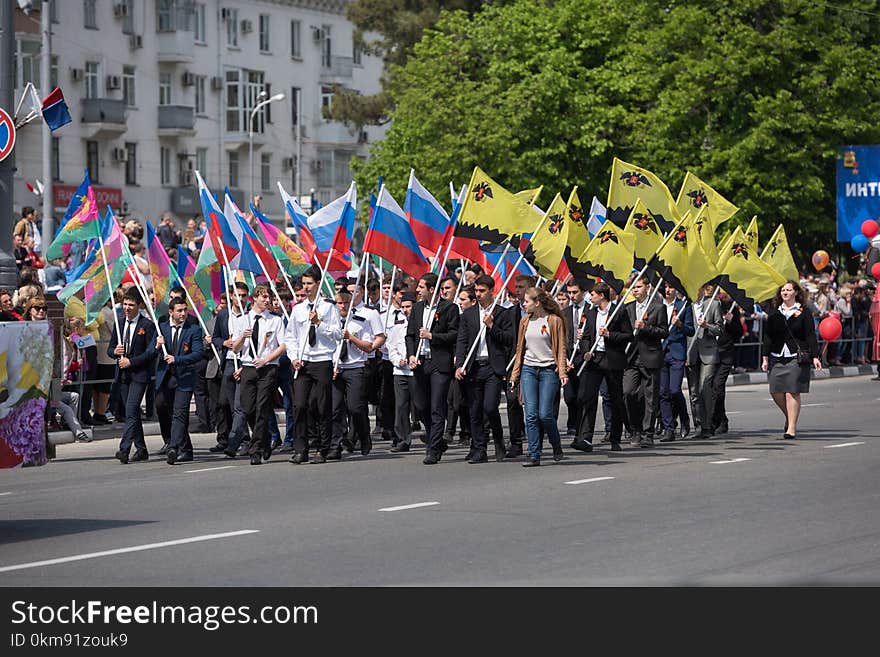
(790, 341)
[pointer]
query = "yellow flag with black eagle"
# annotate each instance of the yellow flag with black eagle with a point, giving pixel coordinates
(681, 260)
(609, 255)
(646, 234)
(548, 242)
(744, 276)
(696, 194)
(493, 214)
(777, 254)
(629, 183)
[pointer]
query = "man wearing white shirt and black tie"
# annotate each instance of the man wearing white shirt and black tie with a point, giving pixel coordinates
(262, 346)
(574, 324)
(313, 334)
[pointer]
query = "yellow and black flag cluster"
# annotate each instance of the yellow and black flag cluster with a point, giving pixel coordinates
(493, 214)
(745, 276)
(696, 195)
(682, 261)
(609, 256)
(777, 254)
(629, 183)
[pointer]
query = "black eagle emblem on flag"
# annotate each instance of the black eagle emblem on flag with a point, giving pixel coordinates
(773, 246)
(481, 191)
(608, 236)
(681, 235)
(740, 249)
(635, 179)
(699, 224)
(645, 222)
(576, 214)
(556, 223)
(698, 198)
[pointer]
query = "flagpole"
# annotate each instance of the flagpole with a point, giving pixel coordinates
(226, 276)
(693, 341)
(237, 300)
(139, 282)
(198, 316)
(338, 351)
(272, 285)
(460, 281)
(107, 274)
(324, 271)
(501, 259)
(495, 300)
(390, 295)
(437, 260)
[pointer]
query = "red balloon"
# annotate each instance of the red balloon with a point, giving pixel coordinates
(870, 228)
(830, 329)
(875, 270)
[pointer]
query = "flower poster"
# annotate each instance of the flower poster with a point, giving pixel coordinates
(26, 360)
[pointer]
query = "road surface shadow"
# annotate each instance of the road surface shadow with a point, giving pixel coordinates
(30, 529)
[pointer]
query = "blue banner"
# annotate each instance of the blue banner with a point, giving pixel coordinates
(858, 189)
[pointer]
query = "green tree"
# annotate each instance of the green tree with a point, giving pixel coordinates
(754, 96)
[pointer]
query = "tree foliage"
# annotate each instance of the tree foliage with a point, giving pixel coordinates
(753, 96)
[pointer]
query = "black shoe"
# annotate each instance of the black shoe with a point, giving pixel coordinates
(276, 443)
(387, 435)
(443, 447)
(558, 456)
(615, 446)
(347, 445)
(668, 437)
(255, 459)
(685, 429)
(702, 435)
(531, 463)
(500, 455)
(140, 455)
(722, 428)
(635, 437)
(367, 447)
(400, 447)
(243, 448)
(319, 458)
(646, 441)
(513, 451)
(607, 437)
(478, 458)
(216, 449)
(267, 453)
(431, 459)
(285, 449)
(163, 449)
(230, 453)
(571, 433)
(298, 458)
(788, 436)
(122, 456)
(100, 419)
(183, 458)
(581, 445)
(171, 456)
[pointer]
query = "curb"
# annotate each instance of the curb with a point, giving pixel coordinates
(837, 372)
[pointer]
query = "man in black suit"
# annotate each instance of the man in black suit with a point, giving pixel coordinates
(176, 378)
(430, 344)
(135, 354)
(606, 362)
(516, 421)
(731, 333)
(574, 315)
(483, 378)
(641, 379)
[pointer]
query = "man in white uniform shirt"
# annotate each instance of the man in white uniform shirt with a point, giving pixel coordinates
(262, 345)
(403, 375)
(313, 335)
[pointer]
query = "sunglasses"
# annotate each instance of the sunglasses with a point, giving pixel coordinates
(39, 308)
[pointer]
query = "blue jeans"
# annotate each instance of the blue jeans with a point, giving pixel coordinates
(540, 386)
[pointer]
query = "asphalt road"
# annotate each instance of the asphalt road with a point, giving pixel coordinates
(746, 508)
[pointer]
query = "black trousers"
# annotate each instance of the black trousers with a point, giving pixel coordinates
(131, 393)
(458, 411)
(570, 395)
(588, 394)
(482, 389)
(403, 400)
(313, 406)
(221, 410)
(257, 393)
(516, 419)
(719, 389)
(350, 418)
(430, 394)
(641, 393)
(203, 404)
(172, 407)
(387, 411)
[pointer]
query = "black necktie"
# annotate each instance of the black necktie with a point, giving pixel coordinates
(255, 336)
(343, 353)
(174, 338)
(313, 333)
(126, 341)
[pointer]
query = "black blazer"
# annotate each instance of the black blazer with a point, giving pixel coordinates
(620, 333)
(514, 315)
(648, 349)
(498, 339)
(731, 332)
(190, 346)
(221, 333)
(444, 332)
(802, 330)
(141, 351)
(571, 332)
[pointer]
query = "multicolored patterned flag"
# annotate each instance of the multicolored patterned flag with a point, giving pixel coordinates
(160, 267)
(207, 275)
(80, 222)
(185, 275)
(294, 260)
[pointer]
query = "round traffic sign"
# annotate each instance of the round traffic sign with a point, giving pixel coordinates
(7, 134)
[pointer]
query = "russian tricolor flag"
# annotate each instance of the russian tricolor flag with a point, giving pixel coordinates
(332, 227)
(391, 237)
(54, 109)
(429, 221)
(223, 239)
(300, 221)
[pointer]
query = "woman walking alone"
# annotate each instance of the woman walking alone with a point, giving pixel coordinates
(540, 365)
(790, 341)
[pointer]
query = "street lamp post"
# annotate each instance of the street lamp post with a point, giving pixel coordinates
(254, 111)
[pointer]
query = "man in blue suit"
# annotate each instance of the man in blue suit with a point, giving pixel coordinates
(176, 378)
(134, 355)
(680, 319)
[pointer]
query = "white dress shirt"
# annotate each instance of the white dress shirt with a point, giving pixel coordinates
(397, 346)
(601, 321)
(365, 324)
(269, 336)
(328, 333)
(786, 313)
(235, 325)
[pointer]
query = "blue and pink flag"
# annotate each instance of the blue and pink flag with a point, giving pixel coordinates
(160, 266)
(503, 267)
(186, 278)
(294, 260)
(332, 227)
(390, 237)
(300, 222)
(224, 239)
(429, 221)
(54, 110)
(254, 257)
(208, 275)
(80, 222)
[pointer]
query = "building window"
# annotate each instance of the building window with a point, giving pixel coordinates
(326, 49)
(53, 11)
(296, 39)
(131, 164)
(232, 28)
(265, 172)
(267, 108)
(326, 99)
(264, 32)
(233, 169)
(294, 105)
(90, 15)
(242, 95)
(27, 63)
(91, 79)
(92, 161)
(173, 15)
(164, 88)
(56, 159)
(202, 160)
(357, 54)
(199, 16)
(53, 71)
(128, 17)
(165, 165)
(128, 97)
(201, 81)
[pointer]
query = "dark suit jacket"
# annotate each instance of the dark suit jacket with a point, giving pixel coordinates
(571, 332)
(620, 333)
(731, 332)
(141, 351)
(444, 332)
(676, 344)
(648, 349)
(190, 346)
(221, 333)
(498, 339)
(802, 333)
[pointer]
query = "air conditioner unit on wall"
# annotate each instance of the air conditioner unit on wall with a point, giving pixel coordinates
(317, 165)
(318, 34)
(113, 82)
(287, 163)
(247, 26)
(76, 74)
(188, 79)
(135, 41)
(217, 83)
(120, 10)
(119, 155)
(225, 14)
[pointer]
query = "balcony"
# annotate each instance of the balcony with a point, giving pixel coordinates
(232, 141)
(176, 46)
(334, 132)
(339, 69)
(103, 117)
(176, 121)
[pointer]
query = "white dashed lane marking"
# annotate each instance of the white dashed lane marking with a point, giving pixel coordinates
(409, 506)
(587, 481)
(222, 467)
(730, 461)
(842, 445)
